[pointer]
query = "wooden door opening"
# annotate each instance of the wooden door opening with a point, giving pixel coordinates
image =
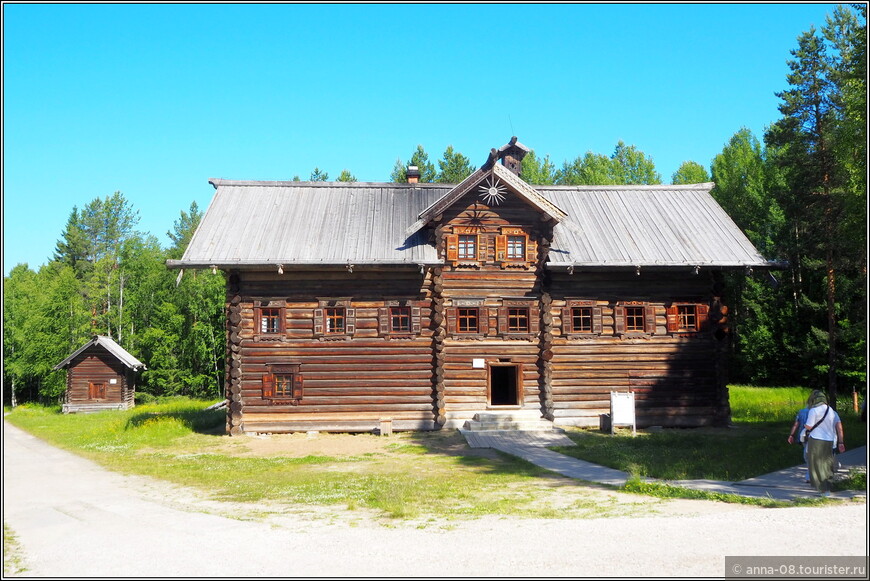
(505, 385)
(96, 390)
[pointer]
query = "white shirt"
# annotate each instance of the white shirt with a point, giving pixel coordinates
(827, 430)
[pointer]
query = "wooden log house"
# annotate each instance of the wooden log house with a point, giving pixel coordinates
(101, 375)
(420, 305)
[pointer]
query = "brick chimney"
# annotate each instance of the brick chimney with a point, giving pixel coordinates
(413, 174)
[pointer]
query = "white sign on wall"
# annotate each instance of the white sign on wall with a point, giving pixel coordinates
(478, 364)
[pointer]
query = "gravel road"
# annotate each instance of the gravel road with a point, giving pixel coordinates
(75, 519)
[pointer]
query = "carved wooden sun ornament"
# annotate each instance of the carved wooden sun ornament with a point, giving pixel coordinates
(492, 192)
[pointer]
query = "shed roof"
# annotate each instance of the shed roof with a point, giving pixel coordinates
(252, 224)
(119, 352)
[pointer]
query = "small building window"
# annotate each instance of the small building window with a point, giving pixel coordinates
(516, 247)
(635, 318)
(334, 318)
(400, 319)
(283, 384)
(687, 318)
(467, 247)
(468, 320)
(581, 318)
(518, 320)
(270, 320)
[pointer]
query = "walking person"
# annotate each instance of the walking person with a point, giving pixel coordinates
(797, 431)
(824, 433)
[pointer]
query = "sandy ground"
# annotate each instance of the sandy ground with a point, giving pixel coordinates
(74, 519)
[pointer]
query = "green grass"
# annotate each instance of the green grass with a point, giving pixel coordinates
(425, 474)
(13, 562)
(754, 444)
(417, 474)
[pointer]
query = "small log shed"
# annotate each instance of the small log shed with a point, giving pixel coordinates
(101, 375)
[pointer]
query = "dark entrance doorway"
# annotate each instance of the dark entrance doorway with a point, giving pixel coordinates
(505, 387)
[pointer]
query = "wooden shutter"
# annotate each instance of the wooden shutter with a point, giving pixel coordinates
(673, 319)
(534, 320)
(649, 319)
(502, 321)
(384, 323)
(349, 320)
(415, 320)
(451, 313)
(483, 320)
(480, 242)
(597, 324)
(452, 247)
(268, 385)
(702, 313)
(619, 319)
(318, 321)
(567, 321)
(297, 385)
(501, 247)
(531, 250)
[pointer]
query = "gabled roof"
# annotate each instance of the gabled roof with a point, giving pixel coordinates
(527, 192)
(106, 342)
(251, 224)
(660, 225)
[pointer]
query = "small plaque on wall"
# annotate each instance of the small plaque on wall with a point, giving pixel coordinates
(478, 364)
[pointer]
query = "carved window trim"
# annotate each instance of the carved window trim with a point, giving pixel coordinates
(626, 312)
(275, 312)
(327, 310)
(503, 246)
(283, 384)
(532, 313)
(453, 245)
(387, 318)
(688, 318)
(465, 307)
(591, 309)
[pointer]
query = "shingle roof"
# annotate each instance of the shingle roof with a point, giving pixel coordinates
(119, 352)
(257, 224)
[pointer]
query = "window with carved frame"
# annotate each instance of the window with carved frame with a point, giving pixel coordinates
(334, 318)
(634, 318)
(688, 318)
(269, 321)
(513, 246)
(467, 317)
(399, 318)
(582, 318)
(518, 317)
(283, 384)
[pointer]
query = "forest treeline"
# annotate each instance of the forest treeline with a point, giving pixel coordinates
(798, 192)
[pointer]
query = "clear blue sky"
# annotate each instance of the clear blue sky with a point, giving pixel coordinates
(154, 99)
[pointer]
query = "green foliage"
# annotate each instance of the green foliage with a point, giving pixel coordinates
(453, 167)
(627, 165)
(537, 171)
(318, 175)
(109, 279)
(420, 159)
(346, 176)
(690, 172)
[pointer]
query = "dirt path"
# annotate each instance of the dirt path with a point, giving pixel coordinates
(75, 519)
